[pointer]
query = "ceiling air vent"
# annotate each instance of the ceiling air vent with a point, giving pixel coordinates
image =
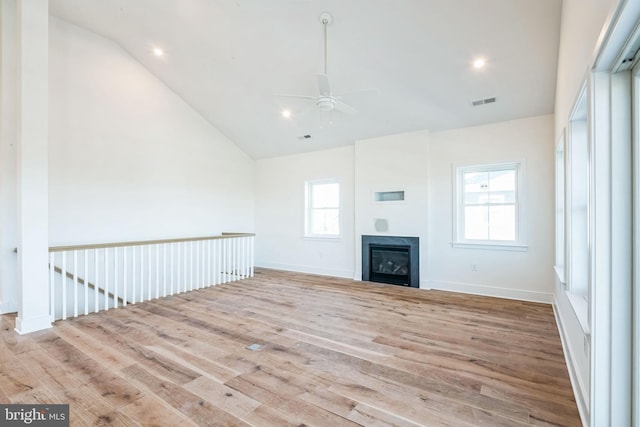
(483, 101)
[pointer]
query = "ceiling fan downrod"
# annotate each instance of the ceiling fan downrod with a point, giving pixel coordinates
(326, 19)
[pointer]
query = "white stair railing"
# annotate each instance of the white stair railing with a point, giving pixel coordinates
(89, 278)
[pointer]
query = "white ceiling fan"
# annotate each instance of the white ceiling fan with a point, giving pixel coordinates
(326, 101)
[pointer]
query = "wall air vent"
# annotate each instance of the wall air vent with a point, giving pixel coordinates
(483, 101)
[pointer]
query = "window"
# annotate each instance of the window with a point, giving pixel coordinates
(488, 205)
(577, 214)
(322, 201)
(577, 188)
(560, 209)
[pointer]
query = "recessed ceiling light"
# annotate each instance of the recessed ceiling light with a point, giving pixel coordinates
(479, 63)
(286, 114)
(158, 52)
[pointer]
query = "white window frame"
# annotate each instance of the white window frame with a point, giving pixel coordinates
(578, 212)
(519, 244)
(561, 216)
(308, 209)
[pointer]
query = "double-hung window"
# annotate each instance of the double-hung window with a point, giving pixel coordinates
(488, 205)
(322, 208)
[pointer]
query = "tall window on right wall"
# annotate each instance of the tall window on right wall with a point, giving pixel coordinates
(577, 214)
(488, 206)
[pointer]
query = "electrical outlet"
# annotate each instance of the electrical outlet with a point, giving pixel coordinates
(474, 267)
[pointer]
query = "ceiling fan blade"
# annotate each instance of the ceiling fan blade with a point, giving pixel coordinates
(323, 85)
(294, 96)
(344, 108)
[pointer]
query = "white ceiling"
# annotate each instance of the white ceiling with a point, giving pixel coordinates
(411, 58)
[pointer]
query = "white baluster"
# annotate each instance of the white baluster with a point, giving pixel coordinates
(106, 278)
(243, 257)
(209, 281)
(134, 268)
(141, 273)
(149, 274)
(190, 266)
(240, 258)
(52, 285)
(223, 260)
(229, 268)
(124, 276)
(86, 281)
(229, 260)
(234, 248)
(64, 285)
(248, 255)
(197, 262)
(214, 259)
(171, 245)
(234, 260)
(75, 283)
(115, 277)
(157, 271)
(164, 270)
(96, 305)
(179, 246)
(251, 256)
(203, 263)
(240, 265)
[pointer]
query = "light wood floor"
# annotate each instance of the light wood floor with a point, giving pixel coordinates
(336, 353)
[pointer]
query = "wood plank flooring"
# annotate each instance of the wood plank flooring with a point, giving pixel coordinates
(335, 353)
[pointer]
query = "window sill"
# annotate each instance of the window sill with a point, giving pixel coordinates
(581, 310)
(491, 246)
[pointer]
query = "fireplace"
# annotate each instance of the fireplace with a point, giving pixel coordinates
(391, 259)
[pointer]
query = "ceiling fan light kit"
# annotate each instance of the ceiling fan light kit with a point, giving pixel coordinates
(325, 103)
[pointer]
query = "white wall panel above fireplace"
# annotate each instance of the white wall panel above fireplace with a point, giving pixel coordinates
(392, 163)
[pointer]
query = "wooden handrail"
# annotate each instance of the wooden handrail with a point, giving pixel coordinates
(146, 242)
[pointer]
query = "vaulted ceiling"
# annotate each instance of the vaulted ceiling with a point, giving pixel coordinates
(404, 65)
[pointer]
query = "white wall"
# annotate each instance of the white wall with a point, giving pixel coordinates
(8, 159)
(279, 188)
(513, 274)
(392, 163)
(129, 159)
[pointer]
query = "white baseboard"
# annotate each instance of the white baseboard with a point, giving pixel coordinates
(425, 284)
(345, 274)
(579, 389)
(490, 291)
(26, 326)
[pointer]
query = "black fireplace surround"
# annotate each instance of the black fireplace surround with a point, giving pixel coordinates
(391, 259)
